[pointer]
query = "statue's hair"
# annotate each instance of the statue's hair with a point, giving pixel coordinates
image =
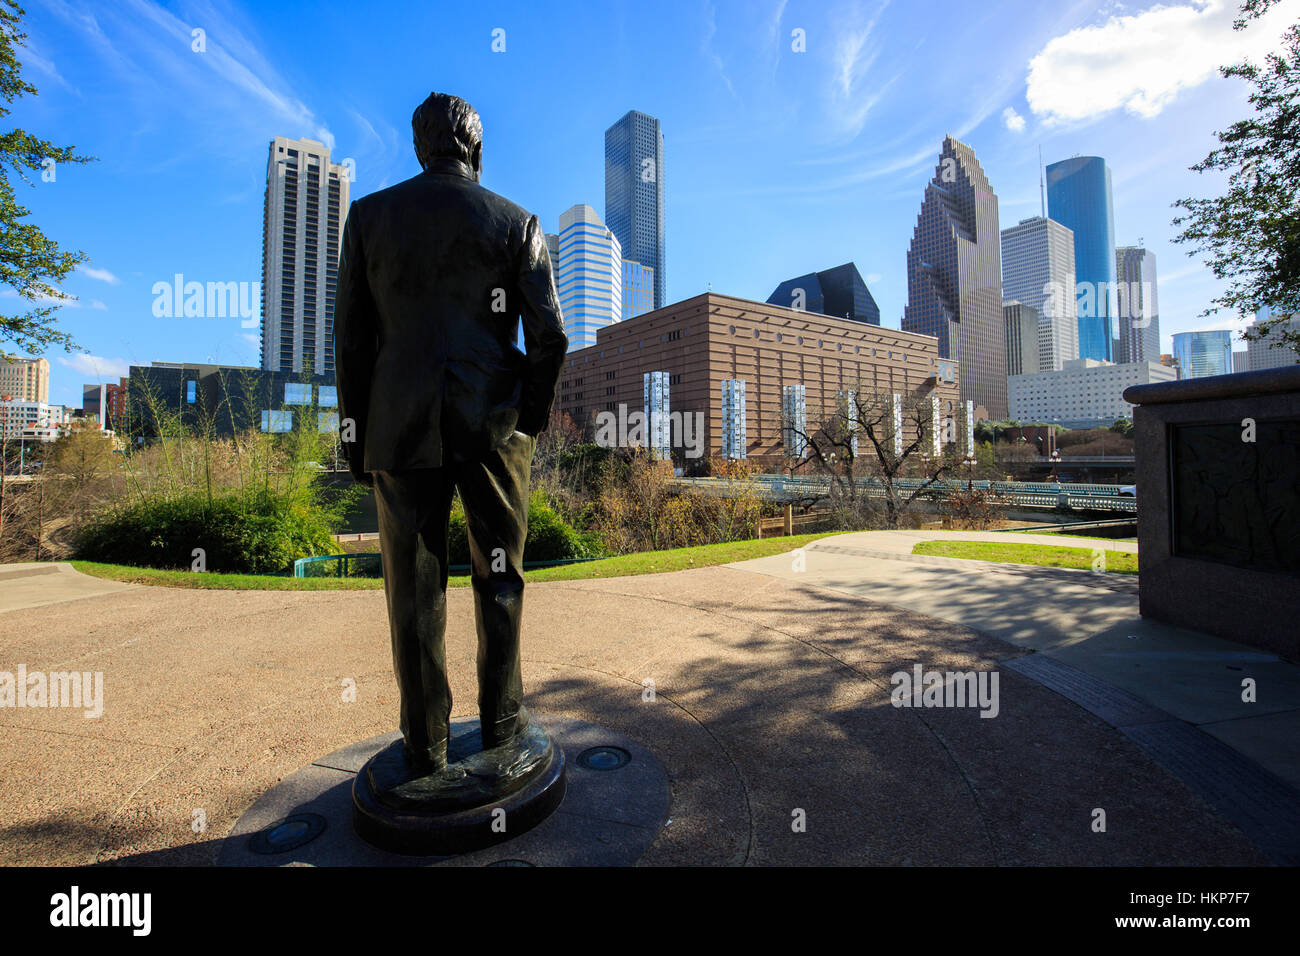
(446, 127)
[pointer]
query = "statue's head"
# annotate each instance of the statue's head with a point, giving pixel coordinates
(446, 127)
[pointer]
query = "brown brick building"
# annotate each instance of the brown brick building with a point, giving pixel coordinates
(703, 341)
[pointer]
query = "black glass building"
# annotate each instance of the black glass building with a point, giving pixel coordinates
(838, 292)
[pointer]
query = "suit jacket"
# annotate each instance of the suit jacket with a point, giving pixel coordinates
(434, 276)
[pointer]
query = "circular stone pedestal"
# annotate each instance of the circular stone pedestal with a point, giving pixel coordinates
(615, 803)
(483, 797)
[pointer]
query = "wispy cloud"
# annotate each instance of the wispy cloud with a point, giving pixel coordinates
(100, 275)
(1013, 120)
(855, 52)
(97, 367)
(706, 46)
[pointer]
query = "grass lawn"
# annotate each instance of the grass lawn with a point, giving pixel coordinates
(1120, 562)
(646, 562)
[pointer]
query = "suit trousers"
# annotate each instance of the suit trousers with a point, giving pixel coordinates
(414, 507)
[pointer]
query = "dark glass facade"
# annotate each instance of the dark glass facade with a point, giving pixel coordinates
(838, 292)
(634, 193)
(954, 276)
(1079, 196)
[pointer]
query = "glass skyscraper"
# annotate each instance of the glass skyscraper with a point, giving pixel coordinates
(1079, 197)
(588, 275)
(638, 289)
(954, 276)
(634, 192)
(1203, 353)
(838, 292)
(1138, 307)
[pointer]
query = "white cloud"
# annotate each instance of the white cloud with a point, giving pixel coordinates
(873, 278)
(1141, 63)
(96, 367)
(852, 97)
(103, 275)
(1013, 120)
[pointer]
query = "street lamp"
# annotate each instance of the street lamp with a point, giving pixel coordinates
(970, 479)
(1056, 461)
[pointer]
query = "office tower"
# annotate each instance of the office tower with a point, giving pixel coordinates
(1022, 324)
(1169, 360)
(553, 249)
(634, 193)
(638, 289)
(1079, 196)
(1262, 354)
(1203, 353)
(954, 276)
(25, 379)
(1038, 271)
(839, 292)
(1240, 361)
(589, 278)
(306, 204)
(1137, 305)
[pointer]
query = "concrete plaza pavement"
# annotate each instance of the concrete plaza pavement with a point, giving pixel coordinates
(763, 691)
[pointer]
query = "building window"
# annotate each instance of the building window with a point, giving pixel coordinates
(327, 396)
(191, 392)
(297, 393)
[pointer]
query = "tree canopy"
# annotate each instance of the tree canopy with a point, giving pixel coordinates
(31, 263)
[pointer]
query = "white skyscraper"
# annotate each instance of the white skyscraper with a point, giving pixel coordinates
(306, 203)
(588, 276)
(1038, 270)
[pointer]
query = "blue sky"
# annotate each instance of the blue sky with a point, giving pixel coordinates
(777, 162)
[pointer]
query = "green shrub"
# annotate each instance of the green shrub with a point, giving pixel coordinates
(549, 537)
(253, 532)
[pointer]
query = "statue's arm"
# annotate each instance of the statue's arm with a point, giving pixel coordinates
(356, 344)
(544, 340)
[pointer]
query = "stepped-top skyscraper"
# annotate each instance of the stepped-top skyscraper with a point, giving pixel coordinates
(1079, 196)
(1137, 305)
(306, 203)
(1038, 270)
(954, 276)
(634, 193)
(588, 275)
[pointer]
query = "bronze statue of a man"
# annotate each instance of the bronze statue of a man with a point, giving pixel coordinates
(434, 277)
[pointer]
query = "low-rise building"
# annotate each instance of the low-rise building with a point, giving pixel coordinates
(1085, 393)
(731, 361)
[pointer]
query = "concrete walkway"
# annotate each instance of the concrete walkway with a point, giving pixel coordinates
(763, 691)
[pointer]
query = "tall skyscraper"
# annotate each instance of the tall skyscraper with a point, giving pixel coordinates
(1137, 305)
(634, 193)
(589, 275)
(954, 276)
(1022, 325)
(25, 379)
(1203, 353)
(306, 203)
(1038, 271)
(838, 292)
(638, 289)
(1079, 196)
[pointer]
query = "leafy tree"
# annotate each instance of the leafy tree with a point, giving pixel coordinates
(30, 262)
(1252, 232)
